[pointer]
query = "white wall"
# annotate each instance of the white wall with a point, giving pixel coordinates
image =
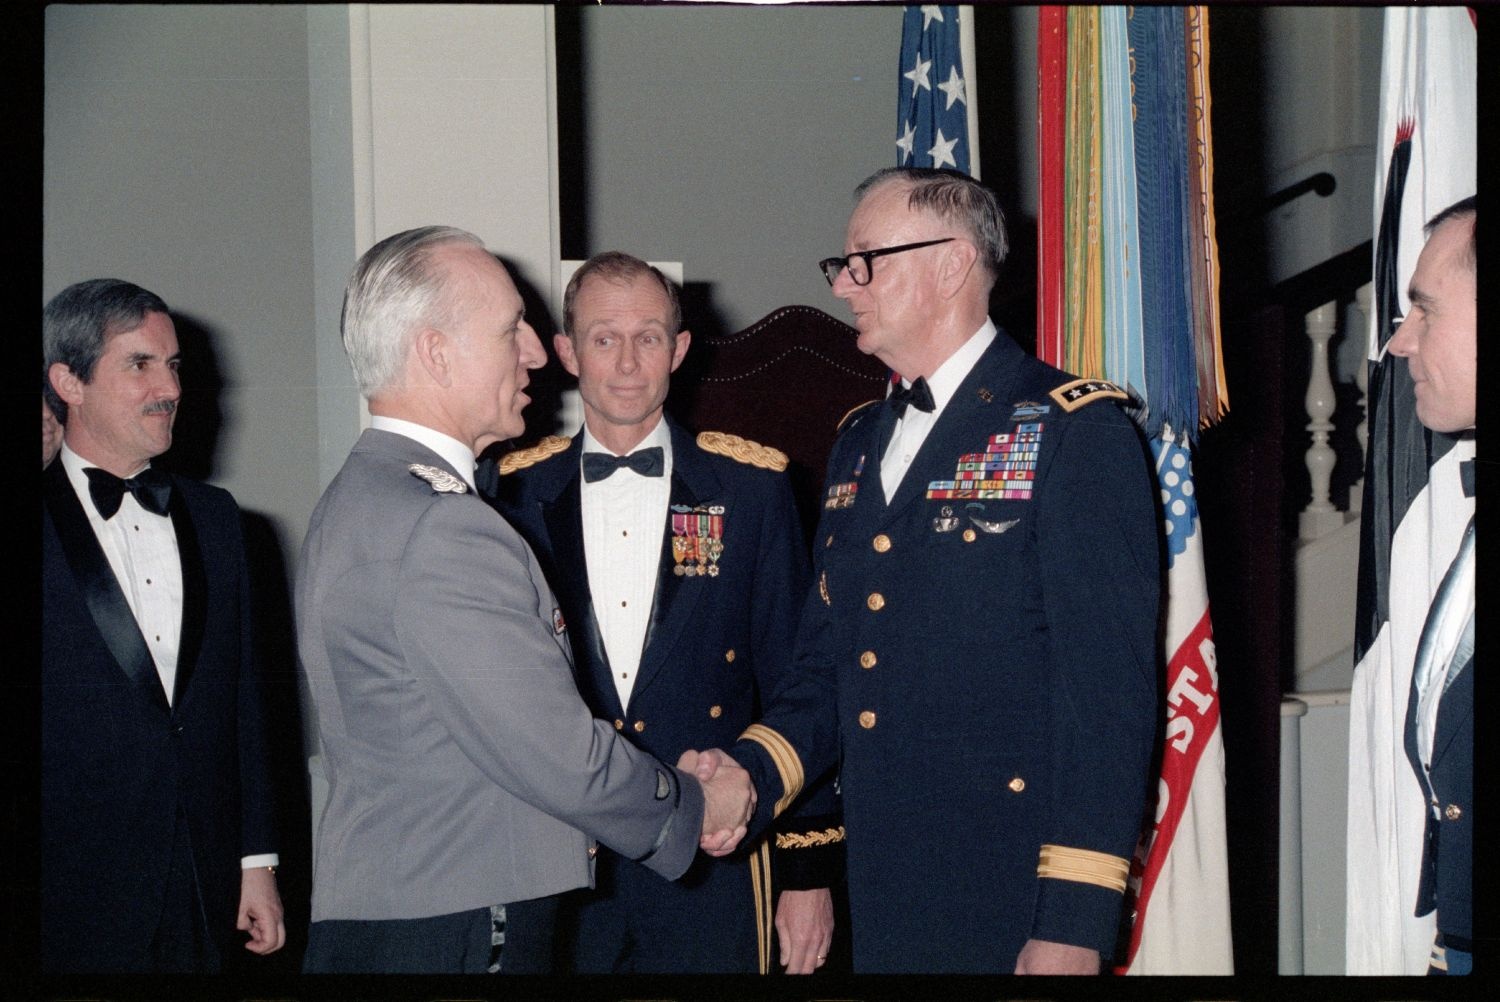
(1322, 79)
(731, 139)
(237, 159)
(176, 156)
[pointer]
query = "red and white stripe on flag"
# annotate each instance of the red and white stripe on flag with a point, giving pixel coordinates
(1428, 88)
(1179, 880)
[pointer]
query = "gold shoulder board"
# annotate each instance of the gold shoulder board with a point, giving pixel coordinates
(742, 450)
(545, 449)
(1080, 392)
(851, 412)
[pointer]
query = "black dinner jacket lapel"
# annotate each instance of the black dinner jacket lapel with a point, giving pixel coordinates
(98, 587)
(562, 513)
(677, 596)
(194, 598)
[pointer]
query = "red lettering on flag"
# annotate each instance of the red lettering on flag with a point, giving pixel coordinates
(1192, 715)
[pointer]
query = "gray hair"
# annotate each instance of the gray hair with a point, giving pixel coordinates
(617, 266)
(78, 320)
(955, 198)
(395, 290)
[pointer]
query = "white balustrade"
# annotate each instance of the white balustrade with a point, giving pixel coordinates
(1320, 516)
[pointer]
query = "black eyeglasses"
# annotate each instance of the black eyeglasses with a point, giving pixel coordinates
(859, 263)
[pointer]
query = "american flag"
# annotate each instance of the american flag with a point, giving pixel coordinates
(1179, 878)
(932, 126)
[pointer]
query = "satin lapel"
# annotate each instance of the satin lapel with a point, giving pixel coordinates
(1457, 704)
(194, 598)
(570, 573)
(693, 483)
(981, 407)
(96, 582)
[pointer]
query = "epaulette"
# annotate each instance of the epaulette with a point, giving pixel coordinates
(522, 458)
(742, 450)
(854, 411)
(1081, 392)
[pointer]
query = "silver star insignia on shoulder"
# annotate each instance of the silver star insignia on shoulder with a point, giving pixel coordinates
(442, 481)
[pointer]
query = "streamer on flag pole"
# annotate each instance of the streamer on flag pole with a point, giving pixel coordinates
(1412, 512)
(1128, 291)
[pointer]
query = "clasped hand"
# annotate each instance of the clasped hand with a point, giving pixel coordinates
(728, 799)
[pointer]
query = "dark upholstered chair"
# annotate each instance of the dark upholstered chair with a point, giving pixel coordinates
(784, 381)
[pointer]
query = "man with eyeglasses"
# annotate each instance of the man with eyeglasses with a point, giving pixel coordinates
(986, 594)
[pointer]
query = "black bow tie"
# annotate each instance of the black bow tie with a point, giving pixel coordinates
(646, 462)
(919, 396)
(152, 489)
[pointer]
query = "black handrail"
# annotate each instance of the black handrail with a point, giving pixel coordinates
(1322, 183)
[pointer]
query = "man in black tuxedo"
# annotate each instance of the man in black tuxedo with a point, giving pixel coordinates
(156, 810)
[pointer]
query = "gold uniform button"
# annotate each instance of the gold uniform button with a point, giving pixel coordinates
(867, 659)
(1453, 812)
(640, 725)
(882, 543)
(729, 655)
(619, 725)
(970, 535)
(593, 851)
(867, 719)
(876, 601)
(716, 712)
(1017, 785)
(828, 542)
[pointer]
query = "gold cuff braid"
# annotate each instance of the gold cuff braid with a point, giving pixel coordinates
(784, 757)
(1083, 865)
(807, 840)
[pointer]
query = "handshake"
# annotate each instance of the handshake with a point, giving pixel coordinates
(728, 799)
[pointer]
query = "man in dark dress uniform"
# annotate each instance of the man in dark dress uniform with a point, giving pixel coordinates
(986, 595)
(1438, 339)
(680, 568)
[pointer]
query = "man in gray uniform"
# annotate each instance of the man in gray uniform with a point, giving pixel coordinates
(467, 780)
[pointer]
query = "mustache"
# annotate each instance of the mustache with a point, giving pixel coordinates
(161, 407)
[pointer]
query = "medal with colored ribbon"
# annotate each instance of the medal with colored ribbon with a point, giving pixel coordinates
(697, 539)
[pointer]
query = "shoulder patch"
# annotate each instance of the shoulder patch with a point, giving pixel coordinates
(852, 413)
(742, 450)
(1080, 392)
(545, 449)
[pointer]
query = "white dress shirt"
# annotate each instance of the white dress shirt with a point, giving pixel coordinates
(624, 516)
(142, 551)
(457, 455)
(913, 427)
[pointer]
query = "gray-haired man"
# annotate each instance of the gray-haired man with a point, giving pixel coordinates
(468, 781)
